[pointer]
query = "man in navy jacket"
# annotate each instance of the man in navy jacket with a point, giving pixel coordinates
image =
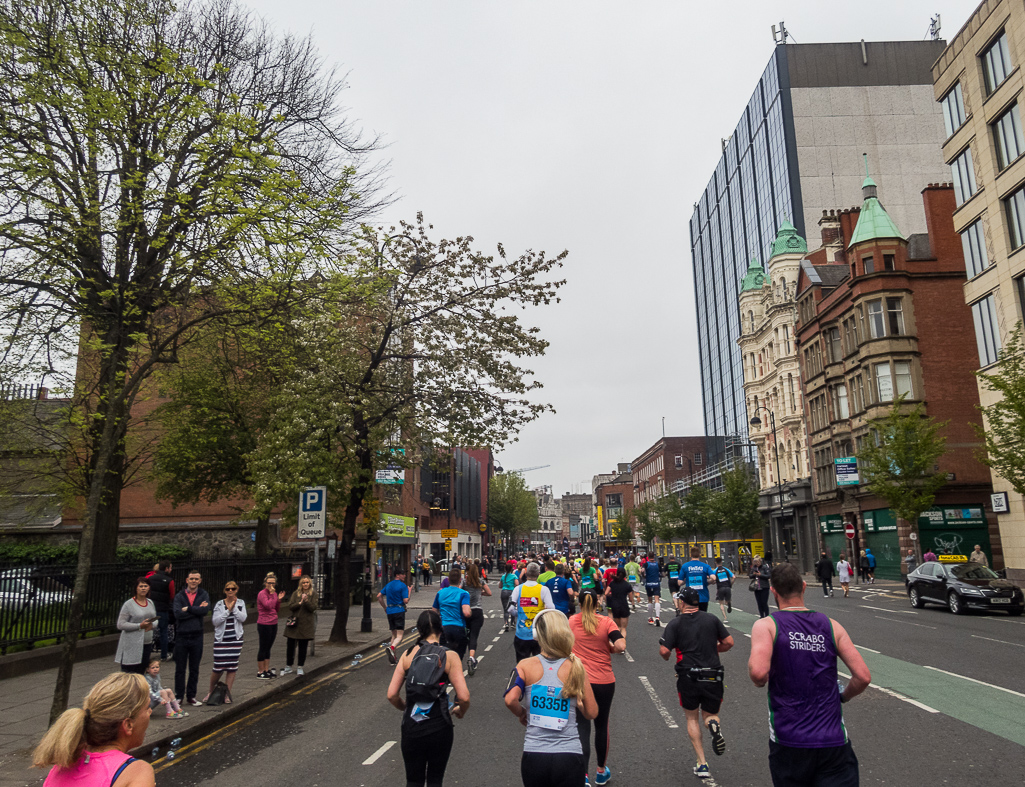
(191, 605)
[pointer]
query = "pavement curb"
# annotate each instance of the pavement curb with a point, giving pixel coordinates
(235, 710)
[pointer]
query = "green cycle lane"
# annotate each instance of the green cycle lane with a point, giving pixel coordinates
(987, 707)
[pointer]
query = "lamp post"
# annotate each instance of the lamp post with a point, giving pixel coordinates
(756, 421)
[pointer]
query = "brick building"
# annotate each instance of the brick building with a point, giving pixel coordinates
(612, 498)
(667, 461)
(882, 315)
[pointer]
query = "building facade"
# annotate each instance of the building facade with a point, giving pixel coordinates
(772, 390)
(881, 316)
(797, 149)
(978, 84)
(614, 497)
(549, 515)
(667, 461)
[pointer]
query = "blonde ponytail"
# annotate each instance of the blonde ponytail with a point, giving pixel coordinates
(574, 685)
(64, 741)
(587, 613)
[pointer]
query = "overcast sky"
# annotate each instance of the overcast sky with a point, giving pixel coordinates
(587, 126)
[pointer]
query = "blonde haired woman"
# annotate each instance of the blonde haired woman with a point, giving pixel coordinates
(303, 604)
(88, 746)
(556, 689)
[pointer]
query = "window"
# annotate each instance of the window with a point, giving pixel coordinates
(840, 401)
(996, 63)
(895, 316)
(876, 326)
(1019, 288)
(962, 171)
(697, 458)
(902, 377)
(884, 383)
(786, 338)
(1016, 217)
(1007, 133)
(953, 109)
(986, 333)
(976, 260)
(888, 262)
(833, 343)
(790, 381)
(862, 403)
(751, 318)
(678, 461)
(869, 263)
(856, 404)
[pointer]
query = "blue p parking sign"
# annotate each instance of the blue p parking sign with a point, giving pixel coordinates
(313, 512)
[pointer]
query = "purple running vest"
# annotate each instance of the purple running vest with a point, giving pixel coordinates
(804, 701)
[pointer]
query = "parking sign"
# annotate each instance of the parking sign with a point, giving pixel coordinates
(313, 512)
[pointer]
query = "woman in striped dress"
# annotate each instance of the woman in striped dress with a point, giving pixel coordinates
(228, 616)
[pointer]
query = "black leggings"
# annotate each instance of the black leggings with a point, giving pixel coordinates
(475, 624)
(268, 632)
(538, 769)
(426, 757)
(762, 597)
(603, 693)
(290, 651)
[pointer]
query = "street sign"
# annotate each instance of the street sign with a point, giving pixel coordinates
(913, 536)
(450, 534)
(999, 502)
(448, 544)
(371, 544)
(482, 527)
(849, 530)
(313, 512)
(846, 468)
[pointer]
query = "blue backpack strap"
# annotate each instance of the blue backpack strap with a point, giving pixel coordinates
(117, 773)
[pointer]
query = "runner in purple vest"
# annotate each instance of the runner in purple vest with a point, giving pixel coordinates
(794, 650)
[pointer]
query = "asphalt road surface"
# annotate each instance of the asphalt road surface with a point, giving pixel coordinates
(946, 706)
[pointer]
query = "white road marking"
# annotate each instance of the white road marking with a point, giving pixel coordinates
(480, 658)
(860, 647)
(628, 656)
(973, 680)
(1002, 642)
(905, 622)
(891, 611)
(894, 694)
(489, 647)
(666, 715)
(496, 639)
(746, 635)
(377, 754)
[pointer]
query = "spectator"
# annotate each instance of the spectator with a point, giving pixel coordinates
(863, 566)
(824, 571)
(229, 615)
(910, 562)
(760, 573)
(978, 557)
(161, 593)
(303, 604)
(90, 745)
(135, 622)
(158, 695)
(268, 604)
(871, 566)
(929, 556)
(191, 605)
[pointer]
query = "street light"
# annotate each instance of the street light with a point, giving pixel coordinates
(756, 422)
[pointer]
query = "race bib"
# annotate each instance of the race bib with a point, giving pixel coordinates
(632, 578)
(548, 709)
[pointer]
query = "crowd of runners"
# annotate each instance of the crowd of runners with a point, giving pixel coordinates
(564, 643)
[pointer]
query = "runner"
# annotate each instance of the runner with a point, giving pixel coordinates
(633, 576)
(694, 574)
(554, 684)
(509, 583)
(843, 571)
(653, 587)
(673, 572)
(590, 581)
(698, 638)
(795, 650)
(561, 590)
(595, 639)
(618, 593)
(548, 573)
(454, 605)
(393, 597)
(528, 599)
(476, 588)
(723, 589)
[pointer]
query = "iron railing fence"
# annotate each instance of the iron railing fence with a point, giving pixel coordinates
(35, 600)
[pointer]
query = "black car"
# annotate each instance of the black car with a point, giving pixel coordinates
(963, 586)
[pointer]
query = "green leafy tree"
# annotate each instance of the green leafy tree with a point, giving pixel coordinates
(898, 466)
(698, 515)
(621, 530)
(158, 162)
(659, 517)
(1004, 431)
(512, 508)
(431, 358)
(735, 506)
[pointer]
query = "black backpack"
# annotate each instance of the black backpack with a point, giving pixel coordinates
(425, 679)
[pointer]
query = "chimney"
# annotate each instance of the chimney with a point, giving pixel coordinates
(42, 393)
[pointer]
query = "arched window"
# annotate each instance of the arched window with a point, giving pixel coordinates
(751, 317)
(786, 338)
(790, 383)
(783, 287)
(797, 457)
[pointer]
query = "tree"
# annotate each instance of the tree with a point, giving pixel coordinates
(512, 508)
(897, 460)
(157, 164)
(430, 358)
(698, 517)
(659, 517)
(735, 506)
(622, 532)
(1004, 431)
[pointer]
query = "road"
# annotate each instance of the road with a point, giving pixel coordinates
(946, 707)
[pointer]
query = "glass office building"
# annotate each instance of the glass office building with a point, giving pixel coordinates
(796, 150)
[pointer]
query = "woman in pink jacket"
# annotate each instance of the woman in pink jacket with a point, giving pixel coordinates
(268, 602)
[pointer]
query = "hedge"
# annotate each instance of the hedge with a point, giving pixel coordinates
(34, 554)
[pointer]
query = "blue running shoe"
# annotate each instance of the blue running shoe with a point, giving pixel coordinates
(701, 771)
(602, 777)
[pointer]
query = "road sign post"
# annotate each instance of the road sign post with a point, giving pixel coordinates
(313, 512)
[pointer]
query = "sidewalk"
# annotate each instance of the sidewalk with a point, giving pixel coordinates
(25, 700)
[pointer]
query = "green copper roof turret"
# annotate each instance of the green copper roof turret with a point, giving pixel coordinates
(874, 222)
(788, 241)
(754, 278)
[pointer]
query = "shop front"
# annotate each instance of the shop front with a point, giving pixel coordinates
(396, 539)
(831, 532)
(882, 538)
(954, 530)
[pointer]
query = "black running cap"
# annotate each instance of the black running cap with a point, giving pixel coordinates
(689, 596)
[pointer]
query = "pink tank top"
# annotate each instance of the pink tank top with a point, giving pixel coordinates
(94, 769)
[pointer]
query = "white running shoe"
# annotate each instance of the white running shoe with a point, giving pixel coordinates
(299, 671)
(286, 670)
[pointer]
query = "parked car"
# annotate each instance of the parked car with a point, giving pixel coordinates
(21, 586)
(963, 586)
